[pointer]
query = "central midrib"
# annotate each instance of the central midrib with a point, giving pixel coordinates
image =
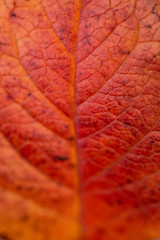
(82, 232)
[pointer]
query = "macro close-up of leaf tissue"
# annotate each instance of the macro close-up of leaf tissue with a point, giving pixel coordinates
(79, 119)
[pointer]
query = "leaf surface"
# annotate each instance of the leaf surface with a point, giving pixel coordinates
(79, 119)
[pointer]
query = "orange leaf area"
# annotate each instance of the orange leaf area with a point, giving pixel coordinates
(79, 119)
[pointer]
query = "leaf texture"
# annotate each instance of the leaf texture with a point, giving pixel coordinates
(79, 119)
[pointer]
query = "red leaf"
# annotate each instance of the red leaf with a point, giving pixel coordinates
(80, 119)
